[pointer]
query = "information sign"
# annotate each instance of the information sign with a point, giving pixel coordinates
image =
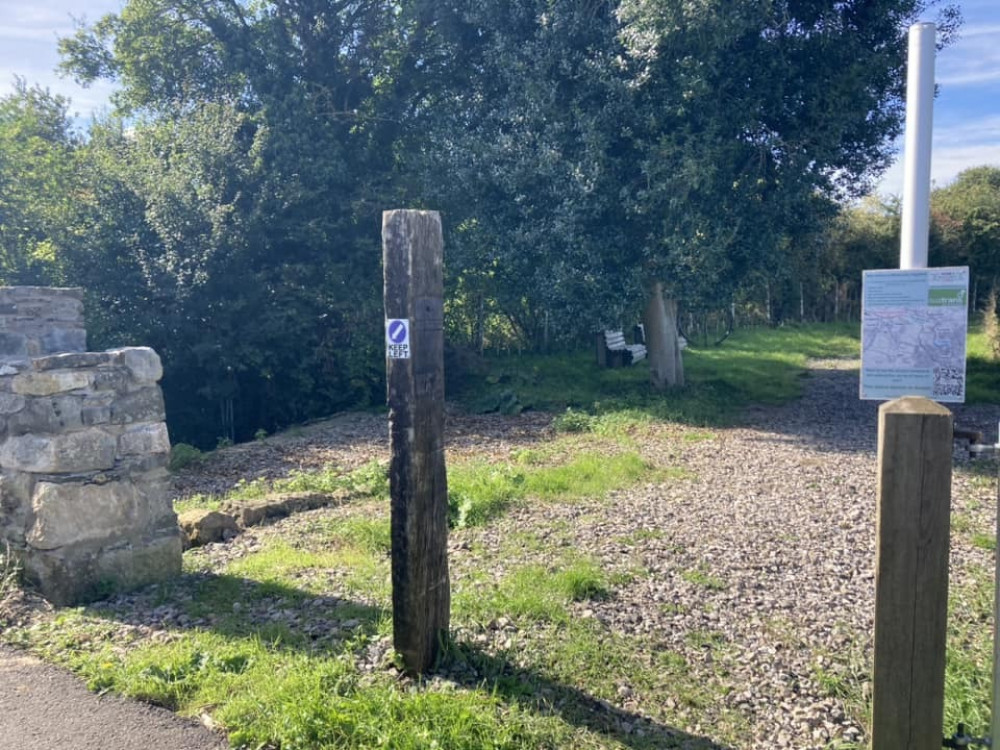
(913, 328)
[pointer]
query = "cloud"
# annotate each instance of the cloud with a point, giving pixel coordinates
(973, 143)
(973, 60)
(29, 38)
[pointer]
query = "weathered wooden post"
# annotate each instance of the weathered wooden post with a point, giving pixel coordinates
(911, 573)
(412, 249)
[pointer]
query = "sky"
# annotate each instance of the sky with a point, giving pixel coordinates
(966, 111)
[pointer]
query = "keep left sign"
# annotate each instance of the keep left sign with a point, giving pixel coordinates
(397, 338)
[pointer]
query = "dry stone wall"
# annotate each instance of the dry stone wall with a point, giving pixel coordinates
(84, 493)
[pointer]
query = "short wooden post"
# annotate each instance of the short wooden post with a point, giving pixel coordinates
(413, 250)
(911, 574)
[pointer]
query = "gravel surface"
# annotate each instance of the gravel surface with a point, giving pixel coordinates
(757, 566)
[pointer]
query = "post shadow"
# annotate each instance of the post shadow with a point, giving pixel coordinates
(296, 620)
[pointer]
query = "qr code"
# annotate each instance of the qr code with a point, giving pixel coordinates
(948, 381)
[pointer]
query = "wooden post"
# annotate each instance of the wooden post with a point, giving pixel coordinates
(413, 251)
(911, 573)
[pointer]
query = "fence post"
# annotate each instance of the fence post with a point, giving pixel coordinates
(413, 249)
(911, 573)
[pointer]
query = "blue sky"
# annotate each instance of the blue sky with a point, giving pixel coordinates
(966, 112)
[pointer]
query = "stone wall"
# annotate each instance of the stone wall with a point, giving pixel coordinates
(84, 493)
(35, 321)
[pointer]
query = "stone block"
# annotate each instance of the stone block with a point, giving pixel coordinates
(16, 489)
(82, 574)
(91, 415)
(56, 340)
(142, 363)
(144, 438)
(87, 450)
(13, 345)
(70, 361)
(200, 527)
(10, 403)
(151, 559)
(144, 405)
(48, 383)
(67, 514)
(47, 415)
(111, 379)
(137, 465)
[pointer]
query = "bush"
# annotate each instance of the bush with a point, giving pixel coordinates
(182, 455)
(573, 421)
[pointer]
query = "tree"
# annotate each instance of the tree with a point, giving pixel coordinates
(623, 151)
(239, 209)
(38, 185)
(966, 222)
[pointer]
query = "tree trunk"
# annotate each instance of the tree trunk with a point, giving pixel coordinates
(666, 367)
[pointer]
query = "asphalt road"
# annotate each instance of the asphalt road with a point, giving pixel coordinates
(46, 708)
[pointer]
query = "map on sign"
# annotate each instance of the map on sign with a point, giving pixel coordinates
(913, 329)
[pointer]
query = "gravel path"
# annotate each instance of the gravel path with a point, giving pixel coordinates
(767, 553)
(757, 566)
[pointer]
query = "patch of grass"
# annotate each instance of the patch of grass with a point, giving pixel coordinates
(267, 696)
(703, 578)
(982, 370)
(697, 437)
(707, 639)
(10, 573)
(368, 534)
(968, 681)
(984, 541)
(642, 535)
(480, 491)
(960, 523)
(370, 480)
(197, 502)
(582, 580)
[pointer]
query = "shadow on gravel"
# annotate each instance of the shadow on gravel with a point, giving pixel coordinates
(831, 416)
(292, 619)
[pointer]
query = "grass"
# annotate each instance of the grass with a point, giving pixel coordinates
(982, 370)
(369, 480)
(10, 573)
(753, 366)
(479, 491)
(970, 653)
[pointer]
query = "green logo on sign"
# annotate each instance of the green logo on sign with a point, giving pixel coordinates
(946, 297)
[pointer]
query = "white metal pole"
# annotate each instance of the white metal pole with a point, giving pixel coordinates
(917, 147)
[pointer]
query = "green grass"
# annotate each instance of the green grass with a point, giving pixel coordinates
(982, 371)
(480, 491)
(701, 577)
(752, 366)
(369, 480)
(970, 654)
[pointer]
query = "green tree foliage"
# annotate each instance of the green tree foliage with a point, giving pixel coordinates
(966, 217)
(595, 148)
(250, 177)
(582, 151)
(38, 184)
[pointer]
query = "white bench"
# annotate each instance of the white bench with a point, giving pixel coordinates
(612, 351)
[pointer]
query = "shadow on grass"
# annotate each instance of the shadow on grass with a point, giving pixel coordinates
(474, 668)
(295, 620)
